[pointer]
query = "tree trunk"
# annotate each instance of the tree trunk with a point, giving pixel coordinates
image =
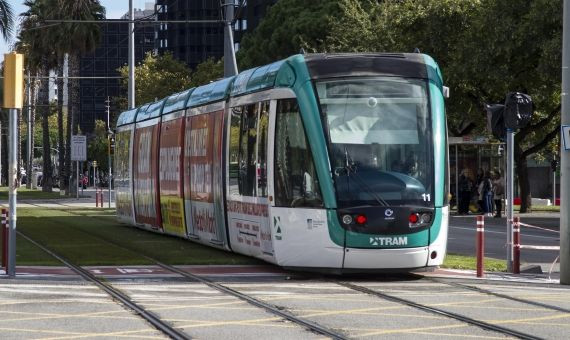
(60, 137)
(44, 105)
(523, 180)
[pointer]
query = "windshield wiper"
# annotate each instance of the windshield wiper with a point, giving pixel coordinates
(351, 168)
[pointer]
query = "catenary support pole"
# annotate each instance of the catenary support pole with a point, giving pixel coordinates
(131, 87)
(30, 150)
(13, 185)
(565, 155)
(5, 227)
(230, 64)
(510, 198)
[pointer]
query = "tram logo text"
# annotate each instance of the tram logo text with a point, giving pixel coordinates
(389, 241)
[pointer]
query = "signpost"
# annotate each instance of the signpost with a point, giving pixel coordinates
(78, 153)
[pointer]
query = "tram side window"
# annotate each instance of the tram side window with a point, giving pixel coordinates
(243, 140)
(235, 122)
(262, 149)
(296, 183)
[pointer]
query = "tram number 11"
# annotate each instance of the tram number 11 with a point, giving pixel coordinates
(426, 197)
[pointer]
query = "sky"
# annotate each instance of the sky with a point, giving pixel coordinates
(114, 10)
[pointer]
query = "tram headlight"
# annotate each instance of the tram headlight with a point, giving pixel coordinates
(347, 219)
(425, 218)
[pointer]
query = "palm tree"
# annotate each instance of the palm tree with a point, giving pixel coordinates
(41, 56)
(6, 21)
(76, 39)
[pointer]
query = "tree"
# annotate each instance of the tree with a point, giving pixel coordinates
(315, 26)
(6, 19)
(487, 49)
(75, 39)
(38, 43)
(206, 72)
(157, 77)
(97, 149)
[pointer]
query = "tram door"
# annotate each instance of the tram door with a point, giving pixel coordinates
(203, 202)
(247, 199)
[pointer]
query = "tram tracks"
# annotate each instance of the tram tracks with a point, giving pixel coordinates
(315, 327)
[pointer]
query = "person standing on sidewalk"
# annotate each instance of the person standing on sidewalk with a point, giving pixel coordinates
(499, 193)
(487, 191)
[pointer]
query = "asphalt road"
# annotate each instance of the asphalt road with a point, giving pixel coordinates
(462, 237)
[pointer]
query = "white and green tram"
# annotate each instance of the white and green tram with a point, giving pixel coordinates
(334, 162)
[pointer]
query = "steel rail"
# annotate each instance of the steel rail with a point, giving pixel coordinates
(438, 311)
(500, 295)
(153, 319)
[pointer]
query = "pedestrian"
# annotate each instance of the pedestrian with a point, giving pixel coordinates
(479, 187)
(498, 193)
(487, 195)
(465, 188)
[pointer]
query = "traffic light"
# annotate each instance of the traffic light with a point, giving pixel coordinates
(112, 145)
(496, 120)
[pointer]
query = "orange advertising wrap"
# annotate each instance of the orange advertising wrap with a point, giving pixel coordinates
(123, 183)
(202, 177)
(171, 176)
(145, 178)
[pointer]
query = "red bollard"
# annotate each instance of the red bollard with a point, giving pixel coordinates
(480, 245)
(96, 198)
(5, 238)
(516, 245)
(101, 195)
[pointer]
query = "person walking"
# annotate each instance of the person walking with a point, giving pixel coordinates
(487, 195)
(498, 193)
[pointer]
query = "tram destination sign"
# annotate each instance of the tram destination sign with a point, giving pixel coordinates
(78, 148)
(566, 137)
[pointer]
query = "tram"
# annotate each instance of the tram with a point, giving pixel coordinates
(334, 162)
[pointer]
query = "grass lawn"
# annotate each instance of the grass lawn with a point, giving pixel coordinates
(453, 261)
(81, 240)
(27, 194)
(79, 235)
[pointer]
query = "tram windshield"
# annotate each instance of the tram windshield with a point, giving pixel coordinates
(380, 140)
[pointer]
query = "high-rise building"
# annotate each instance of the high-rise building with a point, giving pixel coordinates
(99, 69)
(193, 43)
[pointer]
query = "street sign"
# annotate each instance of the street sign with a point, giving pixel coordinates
(566, 137)
(78, 148)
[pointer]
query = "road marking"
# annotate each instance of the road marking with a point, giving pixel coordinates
(504, 233)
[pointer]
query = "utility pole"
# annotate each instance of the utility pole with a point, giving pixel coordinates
(565, 153)
(510, 198)
(109, 135)
(13, 100)
(230, 64)
(131, 55)
(30, 137)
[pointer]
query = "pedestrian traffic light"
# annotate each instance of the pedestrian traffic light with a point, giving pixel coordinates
(518, 110)
(554, 164)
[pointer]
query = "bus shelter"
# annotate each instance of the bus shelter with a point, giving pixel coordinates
(476, 154)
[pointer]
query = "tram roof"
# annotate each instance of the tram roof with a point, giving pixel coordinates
(210, 93)
(256, 79)
(152, 110)
(176, 101)
(127, 117)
